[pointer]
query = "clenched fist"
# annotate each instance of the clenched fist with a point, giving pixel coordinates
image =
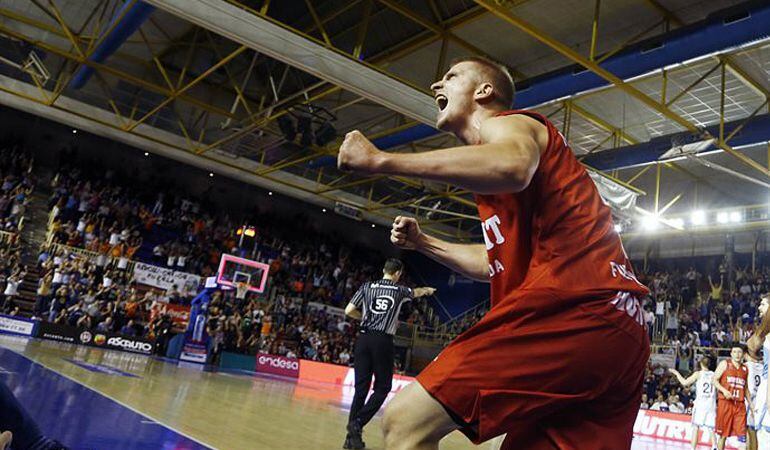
(358, 154)
(406, 233)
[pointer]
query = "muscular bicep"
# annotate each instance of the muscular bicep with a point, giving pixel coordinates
(518, 142)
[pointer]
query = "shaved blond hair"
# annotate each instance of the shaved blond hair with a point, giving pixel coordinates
(496, 74)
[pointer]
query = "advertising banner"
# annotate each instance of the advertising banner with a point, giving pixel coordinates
(180, 314)
(278, 365)
(193, 351)
(163, 278)
(341, 375)
(672, 427)
(16, 325)
(112, 341)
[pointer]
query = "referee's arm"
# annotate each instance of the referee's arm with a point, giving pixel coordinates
(423, 291)
(354, 307)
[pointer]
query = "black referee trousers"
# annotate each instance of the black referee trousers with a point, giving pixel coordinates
(373, 356)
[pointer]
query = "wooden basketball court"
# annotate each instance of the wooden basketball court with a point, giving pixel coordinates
(97, 399)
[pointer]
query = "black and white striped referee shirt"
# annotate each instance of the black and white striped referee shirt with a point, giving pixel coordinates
(380, 303)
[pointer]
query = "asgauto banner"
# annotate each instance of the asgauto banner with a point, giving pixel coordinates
(163, 278)
(277, 365)
(111, 341)
(16, 325)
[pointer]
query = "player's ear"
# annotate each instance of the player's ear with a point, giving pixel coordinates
(484, 93)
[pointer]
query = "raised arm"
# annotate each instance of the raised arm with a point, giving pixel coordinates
(504, 161)
(467, 259)
(717, 375)
(685, 382)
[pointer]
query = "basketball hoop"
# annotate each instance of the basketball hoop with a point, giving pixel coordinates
(241, 289)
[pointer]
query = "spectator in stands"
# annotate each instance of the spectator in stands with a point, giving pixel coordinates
(659, 404)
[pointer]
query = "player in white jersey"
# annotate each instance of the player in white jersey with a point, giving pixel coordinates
(759, 344)
(704, 407)
(755, 379)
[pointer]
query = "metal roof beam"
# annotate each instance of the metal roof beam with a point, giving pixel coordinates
(304, 52)
(662, 109)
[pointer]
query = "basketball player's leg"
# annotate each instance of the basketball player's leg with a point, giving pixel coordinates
(763, 439)
(721, 440)
(415, 420)
(515, 370)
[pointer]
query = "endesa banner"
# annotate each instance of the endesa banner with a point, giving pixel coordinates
(112, 341)
(672, 427)
(17, 325)
(278, 365)
(180, 314)
(341, 375)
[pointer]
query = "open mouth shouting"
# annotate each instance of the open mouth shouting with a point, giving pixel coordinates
(441, 101)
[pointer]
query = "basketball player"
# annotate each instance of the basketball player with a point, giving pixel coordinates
(755, 379)
(759, 343)
(558, 361)
(705, 404)
(731, 380)
(381, 303)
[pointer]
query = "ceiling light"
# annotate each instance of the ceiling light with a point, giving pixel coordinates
(723, 217)
(270, 193)
(677, 222)
(74, 131)
(736, 217)
(698, 218)
(211, 174)
(650, 223)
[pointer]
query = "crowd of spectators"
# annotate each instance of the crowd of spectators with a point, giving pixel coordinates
(98, 211)
(663, 392)
(75, 290)
(691, 308)
(17, 183)
(12, 273)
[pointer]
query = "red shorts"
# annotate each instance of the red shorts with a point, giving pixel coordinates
(731, 418)
(551, 373)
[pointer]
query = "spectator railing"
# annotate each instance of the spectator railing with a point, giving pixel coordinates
(446, 326)
(110, 260)
(49, 228)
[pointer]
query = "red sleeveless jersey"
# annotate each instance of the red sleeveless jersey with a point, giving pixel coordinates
(734, 379)
(557, 234)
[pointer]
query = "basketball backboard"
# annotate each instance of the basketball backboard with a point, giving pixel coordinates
(234, 270)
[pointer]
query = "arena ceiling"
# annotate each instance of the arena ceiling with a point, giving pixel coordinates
(198, 81)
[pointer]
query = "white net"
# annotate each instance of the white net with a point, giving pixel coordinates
(241, 289)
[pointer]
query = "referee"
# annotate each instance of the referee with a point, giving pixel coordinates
(381, 303)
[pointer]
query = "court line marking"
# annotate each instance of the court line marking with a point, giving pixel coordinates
(119, 402)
